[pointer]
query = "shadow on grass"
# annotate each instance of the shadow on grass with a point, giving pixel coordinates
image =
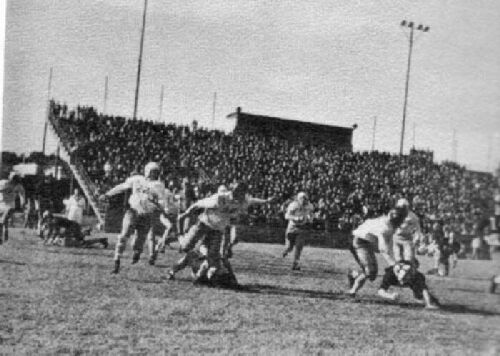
(464, 309)
(77, 252)
(315, 294)
(292, 292)
(13, 262)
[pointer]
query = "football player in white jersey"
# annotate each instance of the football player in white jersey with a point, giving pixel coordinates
(168, 218)
(372, 236)
(299, 215)
(9, 190)
(218, 210)
(147, 193)
(405, 235)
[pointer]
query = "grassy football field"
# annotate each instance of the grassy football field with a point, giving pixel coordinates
(56, 300)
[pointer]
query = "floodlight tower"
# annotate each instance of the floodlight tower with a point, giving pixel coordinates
(412, 27)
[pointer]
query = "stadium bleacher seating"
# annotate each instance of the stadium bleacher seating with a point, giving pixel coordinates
(343, 186)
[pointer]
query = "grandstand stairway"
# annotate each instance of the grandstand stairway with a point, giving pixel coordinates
(80, 175)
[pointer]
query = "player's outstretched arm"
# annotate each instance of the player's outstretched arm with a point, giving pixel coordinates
(116, 190)
(252, 200)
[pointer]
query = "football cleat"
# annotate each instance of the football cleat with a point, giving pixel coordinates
(135, 257)
(152, 259)
(295, 267)
(493, 286)
(350, 279)
(116, 268)
(350, 293)
(387, 295)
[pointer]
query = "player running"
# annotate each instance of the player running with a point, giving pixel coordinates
(168, 218)
(372, 236)
(147, 193)
(406, 233)
(9, 190)
(299, 215)
(217, 212)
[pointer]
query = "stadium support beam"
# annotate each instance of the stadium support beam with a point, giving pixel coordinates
(138, 83)
(412, 28)
(49, 89)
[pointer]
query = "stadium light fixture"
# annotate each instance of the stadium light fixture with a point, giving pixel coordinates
(411, 26)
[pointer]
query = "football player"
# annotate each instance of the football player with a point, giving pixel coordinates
(405, 274)
(147, 193)
(299, 215)
(372, 236)
(167, 219)
(408, 232)
(58, 227)
(217, 212)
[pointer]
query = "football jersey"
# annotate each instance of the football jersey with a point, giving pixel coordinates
(8, 193)
(376, 231)
(296, 210)
(220, 208)
(146, 194)
(410, 227)
(416, 283)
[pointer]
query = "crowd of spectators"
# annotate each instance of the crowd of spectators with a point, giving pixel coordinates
(344, 187)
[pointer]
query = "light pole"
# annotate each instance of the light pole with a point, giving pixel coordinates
(412, 28)
(138, 83)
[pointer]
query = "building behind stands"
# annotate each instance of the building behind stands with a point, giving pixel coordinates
(306, 132)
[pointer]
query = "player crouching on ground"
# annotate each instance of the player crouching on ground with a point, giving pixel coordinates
(405, 274)
(147, 192)
(58, 227)
(374, 235)
(196, 259)
(299, 215)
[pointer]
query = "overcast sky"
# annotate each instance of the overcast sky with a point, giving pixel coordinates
(331, 62)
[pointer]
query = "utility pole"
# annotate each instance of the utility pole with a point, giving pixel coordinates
(489, 152)
(138, 83)
(213, 110)
(374, 130)
(413, 135)
(454, 146)
(105, 105)
(49, 89)
(411, 26)
(161, 105)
